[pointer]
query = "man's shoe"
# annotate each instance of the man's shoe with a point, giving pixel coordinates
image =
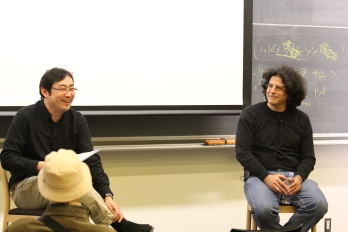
(128, 226)
(133, 227)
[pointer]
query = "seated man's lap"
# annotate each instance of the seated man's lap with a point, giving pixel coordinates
(262, 198)
(25, 194)
(310, 196)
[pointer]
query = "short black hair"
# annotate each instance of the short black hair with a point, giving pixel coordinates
(51, 76)
(295, 83)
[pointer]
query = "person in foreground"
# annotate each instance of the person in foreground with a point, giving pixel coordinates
(274, 138)
(49, 125)
(63, 180)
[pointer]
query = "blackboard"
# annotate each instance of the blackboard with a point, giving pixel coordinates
(290, 32)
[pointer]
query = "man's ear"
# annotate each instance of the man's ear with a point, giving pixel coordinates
(44, 92)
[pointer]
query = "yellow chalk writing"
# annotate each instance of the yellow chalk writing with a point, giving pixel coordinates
(288, 49)
(319, 74)
(308, 104)
(326, 50)
(319, 91)
(291, 51)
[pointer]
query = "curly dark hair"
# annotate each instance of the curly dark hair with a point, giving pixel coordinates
(295, 83)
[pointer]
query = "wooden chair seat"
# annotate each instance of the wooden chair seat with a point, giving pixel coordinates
(288, 229)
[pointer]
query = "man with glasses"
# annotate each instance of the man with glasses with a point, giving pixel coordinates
(49, 125)
(274, 138)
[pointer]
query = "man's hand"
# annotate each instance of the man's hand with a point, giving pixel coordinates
(114, 209)
(276, 183)
(40, 166)
(296, 186)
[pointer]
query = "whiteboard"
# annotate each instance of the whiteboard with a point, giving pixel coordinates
(125, 53)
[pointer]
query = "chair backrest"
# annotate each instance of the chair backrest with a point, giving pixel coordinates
(287, 229)
(10, 215)
(6, 190)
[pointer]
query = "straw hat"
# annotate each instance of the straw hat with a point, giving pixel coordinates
(64, 177)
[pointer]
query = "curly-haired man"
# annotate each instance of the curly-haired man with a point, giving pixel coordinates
(274, 138)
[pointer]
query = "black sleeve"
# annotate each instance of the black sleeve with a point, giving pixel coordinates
(244, 143)
(12, 156)
(84, 144)
(306, 151)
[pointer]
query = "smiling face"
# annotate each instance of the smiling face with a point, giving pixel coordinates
(58, 102)
(276, 96)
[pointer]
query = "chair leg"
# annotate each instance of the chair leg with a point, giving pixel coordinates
(250, 223)
(4, 225)
(314, 228)
(248, 219)
(253, 224)
(5, 222)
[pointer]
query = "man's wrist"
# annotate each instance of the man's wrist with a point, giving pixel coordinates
(299, 177)
(109, 195)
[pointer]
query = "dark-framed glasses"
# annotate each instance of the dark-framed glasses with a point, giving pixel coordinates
(277, 87)
(65, 90)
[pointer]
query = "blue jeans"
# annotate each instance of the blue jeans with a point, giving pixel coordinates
(310, 202)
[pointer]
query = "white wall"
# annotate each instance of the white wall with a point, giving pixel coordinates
(193, 190)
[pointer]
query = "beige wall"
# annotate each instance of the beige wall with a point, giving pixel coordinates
(191, 190)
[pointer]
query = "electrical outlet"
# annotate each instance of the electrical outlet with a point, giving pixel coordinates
(327, 225)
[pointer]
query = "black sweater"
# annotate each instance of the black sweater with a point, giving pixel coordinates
(32, 135)
(266, 140)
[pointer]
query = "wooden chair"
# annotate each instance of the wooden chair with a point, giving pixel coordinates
(288, 229)
(250, 223)
(12, 214)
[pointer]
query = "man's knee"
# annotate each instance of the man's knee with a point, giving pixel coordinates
(264, 209)
(321, 206)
